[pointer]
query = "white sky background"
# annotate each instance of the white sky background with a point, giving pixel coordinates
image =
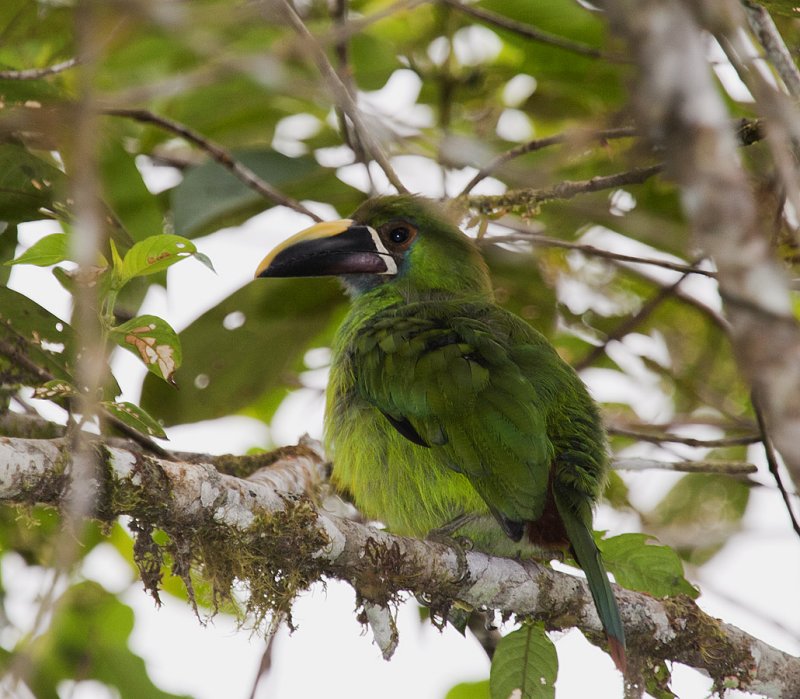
(753, 583)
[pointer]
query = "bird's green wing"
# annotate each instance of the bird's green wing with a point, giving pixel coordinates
(445, 378)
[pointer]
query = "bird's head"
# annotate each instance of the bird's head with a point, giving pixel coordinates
(406, 241)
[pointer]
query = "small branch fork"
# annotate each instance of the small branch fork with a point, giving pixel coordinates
(670, 629)
(341, 95)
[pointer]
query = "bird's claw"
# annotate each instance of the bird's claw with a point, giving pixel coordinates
(459, 544)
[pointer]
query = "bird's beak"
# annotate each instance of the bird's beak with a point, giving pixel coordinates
(329, 248)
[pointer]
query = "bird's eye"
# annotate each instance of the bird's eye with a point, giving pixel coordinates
(399, 234)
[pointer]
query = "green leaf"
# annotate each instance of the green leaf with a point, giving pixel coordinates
(27, 184)
(154, 341)
(657, 677)
(50, 250)
(154, 254)
(133, 416)
(700, 513)
(226, 369)
(524, 666)
(124, 190)
(210, 197)
(8, 245)
(88, 639)
(646, 567)
(38, 337)
(469, 690)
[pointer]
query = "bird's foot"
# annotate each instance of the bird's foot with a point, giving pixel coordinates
(459, 544)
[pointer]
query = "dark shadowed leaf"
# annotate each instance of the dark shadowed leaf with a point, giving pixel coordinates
(27, 184)
(88, 638)
(699, 514)
(210, 197)
(37, 335)
(243, 348)
(8, 245)
(126, 194)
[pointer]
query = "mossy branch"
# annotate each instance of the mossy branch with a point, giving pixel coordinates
(267, 531)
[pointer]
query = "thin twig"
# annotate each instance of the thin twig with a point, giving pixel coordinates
(484, 631)
(744, 440)
(218, 153)
(772, 461)
(539, 144)
(342, 96)
(345, 72)
(630, 323)
(36, 73)
(523, 235)
(265, 665)
(530, 32)
(732, 468)
(528, 199)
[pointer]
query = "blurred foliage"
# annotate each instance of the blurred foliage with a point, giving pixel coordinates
(465, 90)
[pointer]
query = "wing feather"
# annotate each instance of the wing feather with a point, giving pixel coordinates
(450, 380)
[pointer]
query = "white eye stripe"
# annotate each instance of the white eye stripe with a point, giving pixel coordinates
(391, 265)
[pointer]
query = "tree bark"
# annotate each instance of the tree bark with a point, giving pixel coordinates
(379, 565)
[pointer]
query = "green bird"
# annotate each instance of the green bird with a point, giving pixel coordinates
(445, 412)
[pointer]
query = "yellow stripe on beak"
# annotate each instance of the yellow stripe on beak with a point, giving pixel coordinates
(324, 229)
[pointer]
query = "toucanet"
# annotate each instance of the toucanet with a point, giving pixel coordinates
(445, 412)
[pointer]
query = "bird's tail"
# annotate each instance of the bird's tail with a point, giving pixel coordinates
(588, 558)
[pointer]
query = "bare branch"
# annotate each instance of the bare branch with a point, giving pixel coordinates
(675, 629)
(539, 144)
(772, 461)
(524, 234)
(629, 324)
(528, 199)
(729, 468)
(530, 32)
(37, 73)
(744, 440)
(219, 154)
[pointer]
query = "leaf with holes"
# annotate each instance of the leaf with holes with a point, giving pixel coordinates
(55, 389)
(639, 565)
(50, 250)
(154, 341)
(28, 184)
(524, 665)
(155, 254)
(133, 416)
